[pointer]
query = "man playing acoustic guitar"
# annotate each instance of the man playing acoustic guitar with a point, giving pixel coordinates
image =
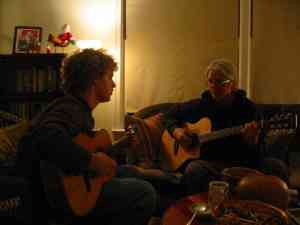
(221, 106)
(60, 152)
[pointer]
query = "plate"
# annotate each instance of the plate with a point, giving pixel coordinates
(250, 212)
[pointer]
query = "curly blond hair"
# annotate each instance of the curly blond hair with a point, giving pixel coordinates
(81, 68)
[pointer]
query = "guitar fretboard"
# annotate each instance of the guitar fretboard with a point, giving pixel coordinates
(219, 134)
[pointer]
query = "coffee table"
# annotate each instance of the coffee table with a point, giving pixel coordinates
(179, 213)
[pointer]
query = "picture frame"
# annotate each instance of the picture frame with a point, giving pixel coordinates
(27, 39)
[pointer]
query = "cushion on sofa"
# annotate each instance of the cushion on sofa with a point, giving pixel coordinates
(144, 151)
(15, 200)
(9, 138)
(152, 110)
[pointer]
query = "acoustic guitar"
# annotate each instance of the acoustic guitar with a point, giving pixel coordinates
(79, 193)
(173, 155)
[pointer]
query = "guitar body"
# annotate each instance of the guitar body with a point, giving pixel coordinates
(173, 155)
(74, 188)
(100, 141)
(81, 200)
(172, 159)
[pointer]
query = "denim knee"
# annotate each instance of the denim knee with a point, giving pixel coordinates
(128, 171)
(196, 176)
(148, 202)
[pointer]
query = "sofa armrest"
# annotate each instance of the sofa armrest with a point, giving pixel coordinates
(152, 110)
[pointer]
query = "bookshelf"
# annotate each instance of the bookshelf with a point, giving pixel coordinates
(29, 82)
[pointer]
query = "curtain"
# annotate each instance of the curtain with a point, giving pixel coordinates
(169, 44)
(276, 51)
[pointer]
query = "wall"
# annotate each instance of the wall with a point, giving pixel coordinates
(276, 51)
(170, 42)
(89, 19)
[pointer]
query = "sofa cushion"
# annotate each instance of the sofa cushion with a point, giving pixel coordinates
(15, 200)
(9, 138)
(144, 151)
(152, 110)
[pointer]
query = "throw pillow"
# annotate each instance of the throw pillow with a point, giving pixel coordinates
(9, 138)
(144, 151)
(277, 143)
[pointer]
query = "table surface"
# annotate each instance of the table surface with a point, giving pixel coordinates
(179, 213)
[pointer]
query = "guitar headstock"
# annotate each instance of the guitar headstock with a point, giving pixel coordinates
(131, 129)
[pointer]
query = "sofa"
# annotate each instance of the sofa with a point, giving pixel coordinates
(280, 141)
(283, 142)
(278, 136)
(15, 195)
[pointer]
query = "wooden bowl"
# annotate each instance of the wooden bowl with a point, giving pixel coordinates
(233, 175)
(267, 188)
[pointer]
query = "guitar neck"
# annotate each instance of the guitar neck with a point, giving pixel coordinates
(117, 146)
(219, 134)
(275, 123)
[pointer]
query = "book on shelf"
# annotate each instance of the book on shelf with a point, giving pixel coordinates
(29, 82)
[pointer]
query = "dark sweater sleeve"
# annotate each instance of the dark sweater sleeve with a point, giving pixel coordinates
(57, 147)
(250, 111)
(170, 119)
(190, 111)
(53, 132)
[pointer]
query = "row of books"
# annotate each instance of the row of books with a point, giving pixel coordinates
(34, 80)
(26, 110)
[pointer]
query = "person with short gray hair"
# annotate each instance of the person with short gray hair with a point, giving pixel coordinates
(221, 106)
(225, 67)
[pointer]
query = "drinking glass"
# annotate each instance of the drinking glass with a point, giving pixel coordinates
(217, 193)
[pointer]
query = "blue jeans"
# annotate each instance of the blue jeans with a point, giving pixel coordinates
(123, 201)
(196, 176)
(166, 184)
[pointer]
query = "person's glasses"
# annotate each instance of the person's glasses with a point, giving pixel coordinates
(218, 81)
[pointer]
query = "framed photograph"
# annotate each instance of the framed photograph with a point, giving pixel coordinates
(27, 39)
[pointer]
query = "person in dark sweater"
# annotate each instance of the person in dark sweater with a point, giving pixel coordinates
(87, 81)
(225, 106)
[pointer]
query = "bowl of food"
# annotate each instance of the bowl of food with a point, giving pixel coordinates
(251, 212)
